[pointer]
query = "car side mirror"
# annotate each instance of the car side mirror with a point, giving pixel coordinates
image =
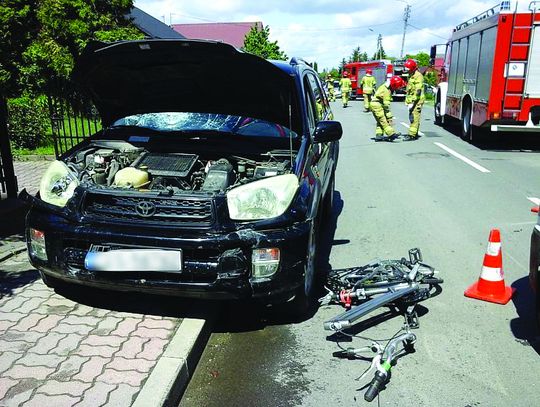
(327, 131)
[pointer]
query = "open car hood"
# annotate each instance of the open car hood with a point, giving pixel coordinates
(133, 77)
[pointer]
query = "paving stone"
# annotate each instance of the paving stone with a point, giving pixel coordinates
(68, 344)
(139, 365)
(16, 399)
(98, 340)
(5, 385)
(152, 333)
(81, 320)
(48, 342)
(28, 336)
(41, 400)
(91, 369)
(99, 312)
(71, 329)
(31, 305)
(153, 349)
(126, 327)
(7, 359)
(48, 323)
(14, 303)
(31, 292)
(106, 326)
(96, 396)
(29, 322)
(72, 388)
(132, 347)
(123, 396)
(15, 346)
(112, 376)
(57, 305)
(69, 368)
(5, 325)
(153, 323)
(81, 310)
(33, 359)
(10, 316)
(24, 372)
(88, 350)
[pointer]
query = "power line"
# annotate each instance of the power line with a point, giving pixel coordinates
(428, 31)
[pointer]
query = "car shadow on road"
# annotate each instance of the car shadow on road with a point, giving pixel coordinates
(524, 327)
(250, 316)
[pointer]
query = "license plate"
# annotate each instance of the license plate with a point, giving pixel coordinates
(135, 260)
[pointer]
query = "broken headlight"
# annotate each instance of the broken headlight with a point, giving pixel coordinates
(264, 199)
(58, 184)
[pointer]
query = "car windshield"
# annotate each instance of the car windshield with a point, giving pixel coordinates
(193, 122)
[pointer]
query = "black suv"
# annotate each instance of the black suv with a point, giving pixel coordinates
(209, 178)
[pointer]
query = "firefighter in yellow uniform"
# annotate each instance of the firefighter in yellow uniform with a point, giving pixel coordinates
(368, 84)
(345, 85)
(414, 98)
(380, 107)
(330, 88)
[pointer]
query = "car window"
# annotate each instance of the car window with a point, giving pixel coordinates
(310, 105)
(320, 97)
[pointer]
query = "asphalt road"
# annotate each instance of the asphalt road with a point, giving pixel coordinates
(390, 198)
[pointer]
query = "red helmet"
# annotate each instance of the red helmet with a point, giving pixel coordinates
(411, 65)
(369, 72)
(345, 74)
(396, 82)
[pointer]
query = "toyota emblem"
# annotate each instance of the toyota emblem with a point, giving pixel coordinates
(145, 209)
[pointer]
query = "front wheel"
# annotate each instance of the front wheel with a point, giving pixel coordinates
(466, 127)
(437, 108)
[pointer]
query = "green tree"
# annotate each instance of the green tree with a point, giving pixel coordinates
(39, 39)
(257, 41)
(422, 58)
(380, 54)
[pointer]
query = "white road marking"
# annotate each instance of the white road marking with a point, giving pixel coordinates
(534, 200)
(406, 125)
(462, 157)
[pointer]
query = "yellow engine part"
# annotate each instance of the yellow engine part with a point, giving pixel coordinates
(131, 177)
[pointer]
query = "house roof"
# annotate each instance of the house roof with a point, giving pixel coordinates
(230, 33)
(151, 26)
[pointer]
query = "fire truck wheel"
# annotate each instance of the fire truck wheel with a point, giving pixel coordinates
(438, 116)
(466, 126)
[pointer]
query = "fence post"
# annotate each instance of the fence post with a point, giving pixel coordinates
(5, 150)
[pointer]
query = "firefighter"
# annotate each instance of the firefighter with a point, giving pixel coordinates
(368, 84)
(414, 98)
(345, 85)
(380, 107)
(330, 88)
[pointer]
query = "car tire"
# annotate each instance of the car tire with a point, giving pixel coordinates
(304, 303)
(437, 111)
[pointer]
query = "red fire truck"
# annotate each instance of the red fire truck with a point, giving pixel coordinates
(491, 75)
(382, 69)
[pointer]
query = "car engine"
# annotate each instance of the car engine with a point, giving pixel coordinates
(120, 165)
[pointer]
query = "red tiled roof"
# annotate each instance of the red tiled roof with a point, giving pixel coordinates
(230, 33)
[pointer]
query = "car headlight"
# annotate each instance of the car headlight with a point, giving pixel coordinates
(58, 184)
(264, 199)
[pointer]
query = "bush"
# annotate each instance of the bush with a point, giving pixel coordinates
(28, 121)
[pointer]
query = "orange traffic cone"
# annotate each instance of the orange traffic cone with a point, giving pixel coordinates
(490, 286)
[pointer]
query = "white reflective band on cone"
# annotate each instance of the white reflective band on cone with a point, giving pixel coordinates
(493, 248)
(492, 274)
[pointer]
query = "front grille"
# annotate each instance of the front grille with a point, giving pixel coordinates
(193, 211)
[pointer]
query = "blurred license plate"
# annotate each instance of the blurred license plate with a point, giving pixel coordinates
(134, 260)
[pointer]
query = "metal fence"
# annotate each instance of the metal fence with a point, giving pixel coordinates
(73, 118)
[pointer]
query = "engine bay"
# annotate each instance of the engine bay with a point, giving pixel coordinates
(114, 165)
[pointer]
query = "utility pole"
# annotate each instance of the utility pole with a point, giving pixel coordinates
(406, 15)
(379, 47)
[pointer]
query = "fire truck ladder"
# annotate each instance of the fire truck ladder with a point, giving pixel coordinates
(518, 52)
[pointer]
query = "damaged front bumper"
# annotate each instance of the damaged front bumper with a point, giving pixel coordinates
(215, 265)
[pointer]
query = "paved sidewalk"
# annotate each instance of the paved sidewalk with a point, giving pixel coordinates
(84, 347)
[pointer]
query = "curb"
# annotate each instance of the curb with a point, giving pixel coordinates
(11, 253)
(172, 373)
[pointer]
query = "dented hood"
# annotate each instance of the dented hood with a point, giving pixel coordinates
(147, 76)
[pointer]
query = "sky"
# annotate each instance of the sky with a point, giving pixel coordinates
(326, 31)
